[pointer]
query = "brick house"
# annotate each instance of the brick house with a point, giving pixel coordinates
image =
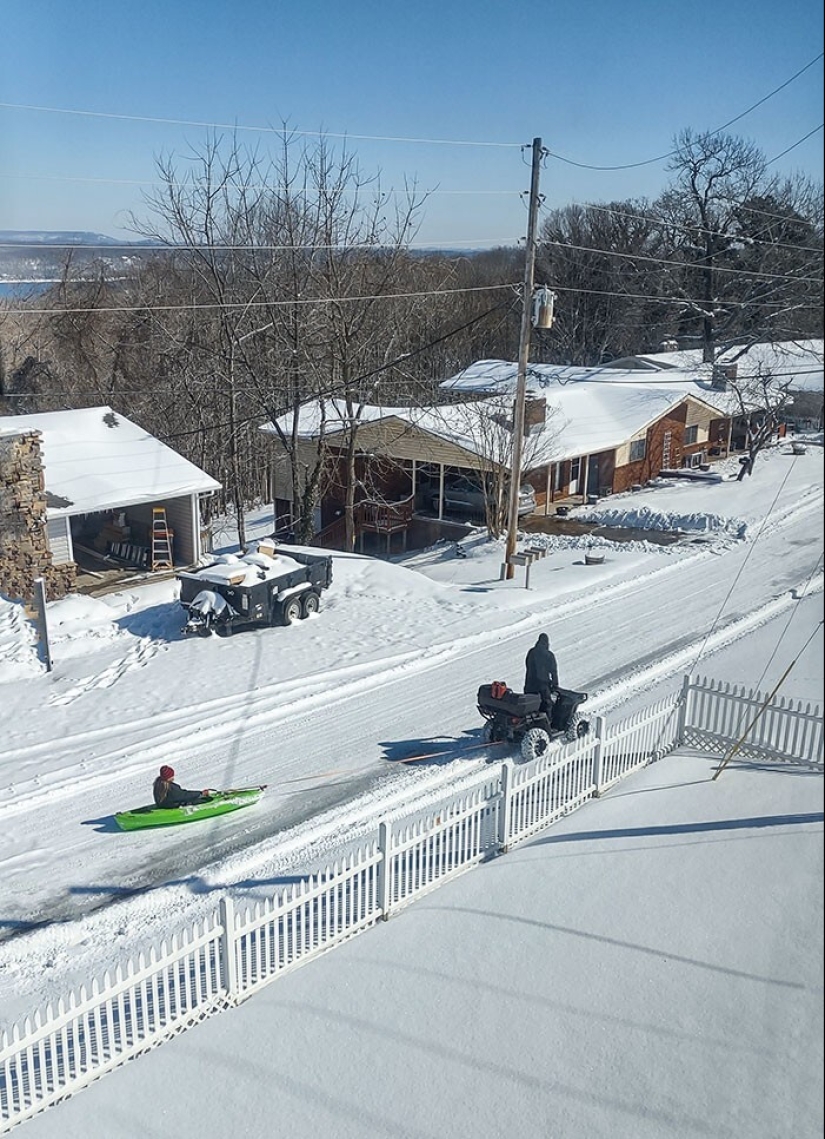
(585, 435)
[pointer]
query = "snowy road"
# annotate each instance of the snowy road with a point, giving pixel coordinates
(324, 726)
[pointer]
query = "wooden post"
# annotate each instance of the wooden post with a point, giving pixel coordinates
(523, 355)
(42, 623)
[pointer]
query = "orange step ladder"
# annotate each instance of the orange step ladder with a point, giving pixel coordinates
(161, 551)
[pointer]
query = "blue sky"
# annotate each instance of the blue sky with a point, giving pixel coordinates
(600, 83)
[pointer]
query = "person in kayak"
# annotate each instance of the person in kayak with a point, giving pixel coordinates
(167, 793)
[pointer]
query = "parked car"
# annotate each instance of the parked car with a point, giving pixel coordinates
(465, 494)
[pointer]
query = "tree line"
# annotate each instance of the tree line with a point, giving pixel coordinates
(276, 278)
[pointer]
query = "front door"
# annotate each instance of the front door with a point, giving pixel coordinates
(575, 474)
(593, 481)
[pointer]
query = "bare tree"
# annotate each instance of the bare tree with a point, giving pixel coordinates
(751, 263)
(760, 402)
(295, 258)
(605, 260)
(485, 428)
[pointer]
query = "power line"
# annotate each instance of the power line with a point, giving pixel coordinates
(211, 306)
(349, 385)
(654, 379)
(286, 131)
(794, 145)
(149, 246)
(684, 227)
(752, 273)
(247, 305)
(206, 246)
(255, 129)
(718, 130)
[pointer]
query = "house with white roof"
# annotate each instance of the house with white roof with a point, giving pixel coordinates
(90, 480)
(797, 363)
(751, 370)
(586, 435)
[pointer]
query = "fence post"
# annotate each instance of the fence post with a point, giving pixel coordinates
(229, 960)
(384, 896)
(597, 756)
(504, 804)
(681, 723)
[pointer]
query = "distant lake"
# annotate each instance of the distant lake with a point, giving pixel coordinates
(15, 289)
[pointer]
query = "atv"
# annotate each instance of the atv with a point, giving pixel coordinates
(517, 717)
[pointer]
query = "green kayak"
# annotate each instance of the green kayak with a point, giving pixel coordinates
(218, 803)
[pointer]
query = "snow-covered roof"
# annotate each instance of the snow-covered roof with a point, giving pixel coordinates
(799, 362)
(677, 371)
(96, 459)
(581, 417)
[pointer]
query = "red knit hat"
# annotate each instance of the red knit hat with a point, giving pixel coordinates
(167, 773)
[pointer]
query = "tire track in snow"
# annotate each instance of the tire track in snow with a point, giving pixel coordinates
(215, 721)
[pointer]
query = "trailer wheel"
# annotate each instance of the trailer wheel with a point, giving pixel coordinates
(291, 611)
(311, 603)
(535, 744)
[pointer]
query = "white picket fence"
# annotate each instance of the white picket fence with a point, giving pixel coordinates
(718, 715)
(228, 956)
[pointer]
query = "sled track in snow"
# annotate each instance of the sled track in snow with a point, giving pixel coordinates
(215, 721)
(347, 806)
(338, 803)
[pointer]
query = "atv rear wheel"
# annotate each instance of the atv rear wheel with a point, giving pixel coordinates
(488, 733)
(535, 744)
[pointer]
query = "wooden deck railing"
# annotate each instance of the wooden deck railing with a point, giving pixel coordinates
(370, 517)
(387, 518)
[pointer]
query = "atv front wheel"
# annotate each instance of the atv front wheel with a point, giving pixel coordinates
(535, 744)
(577, 729)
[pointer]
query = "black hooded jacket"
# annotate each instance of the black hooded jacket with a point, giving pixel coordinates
(542, 673)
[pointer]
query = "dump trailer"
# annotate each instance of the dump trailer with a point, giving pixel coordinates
(270, 586)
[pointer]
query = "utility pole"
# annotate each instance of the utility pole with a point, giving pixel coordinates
(523, 353)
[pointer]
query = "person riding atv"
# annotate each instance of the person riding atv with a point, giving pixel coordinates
(542, 674)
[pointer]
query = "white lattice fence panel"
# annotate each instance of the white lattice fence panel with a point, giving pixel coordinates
(782, 729)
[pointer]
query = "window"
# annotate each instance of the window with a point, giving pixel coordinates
(691, 434)
(638, 450)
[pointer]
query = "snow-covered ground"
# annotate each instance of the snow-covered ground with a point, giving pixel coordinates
(323, 711)
(648, 968)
